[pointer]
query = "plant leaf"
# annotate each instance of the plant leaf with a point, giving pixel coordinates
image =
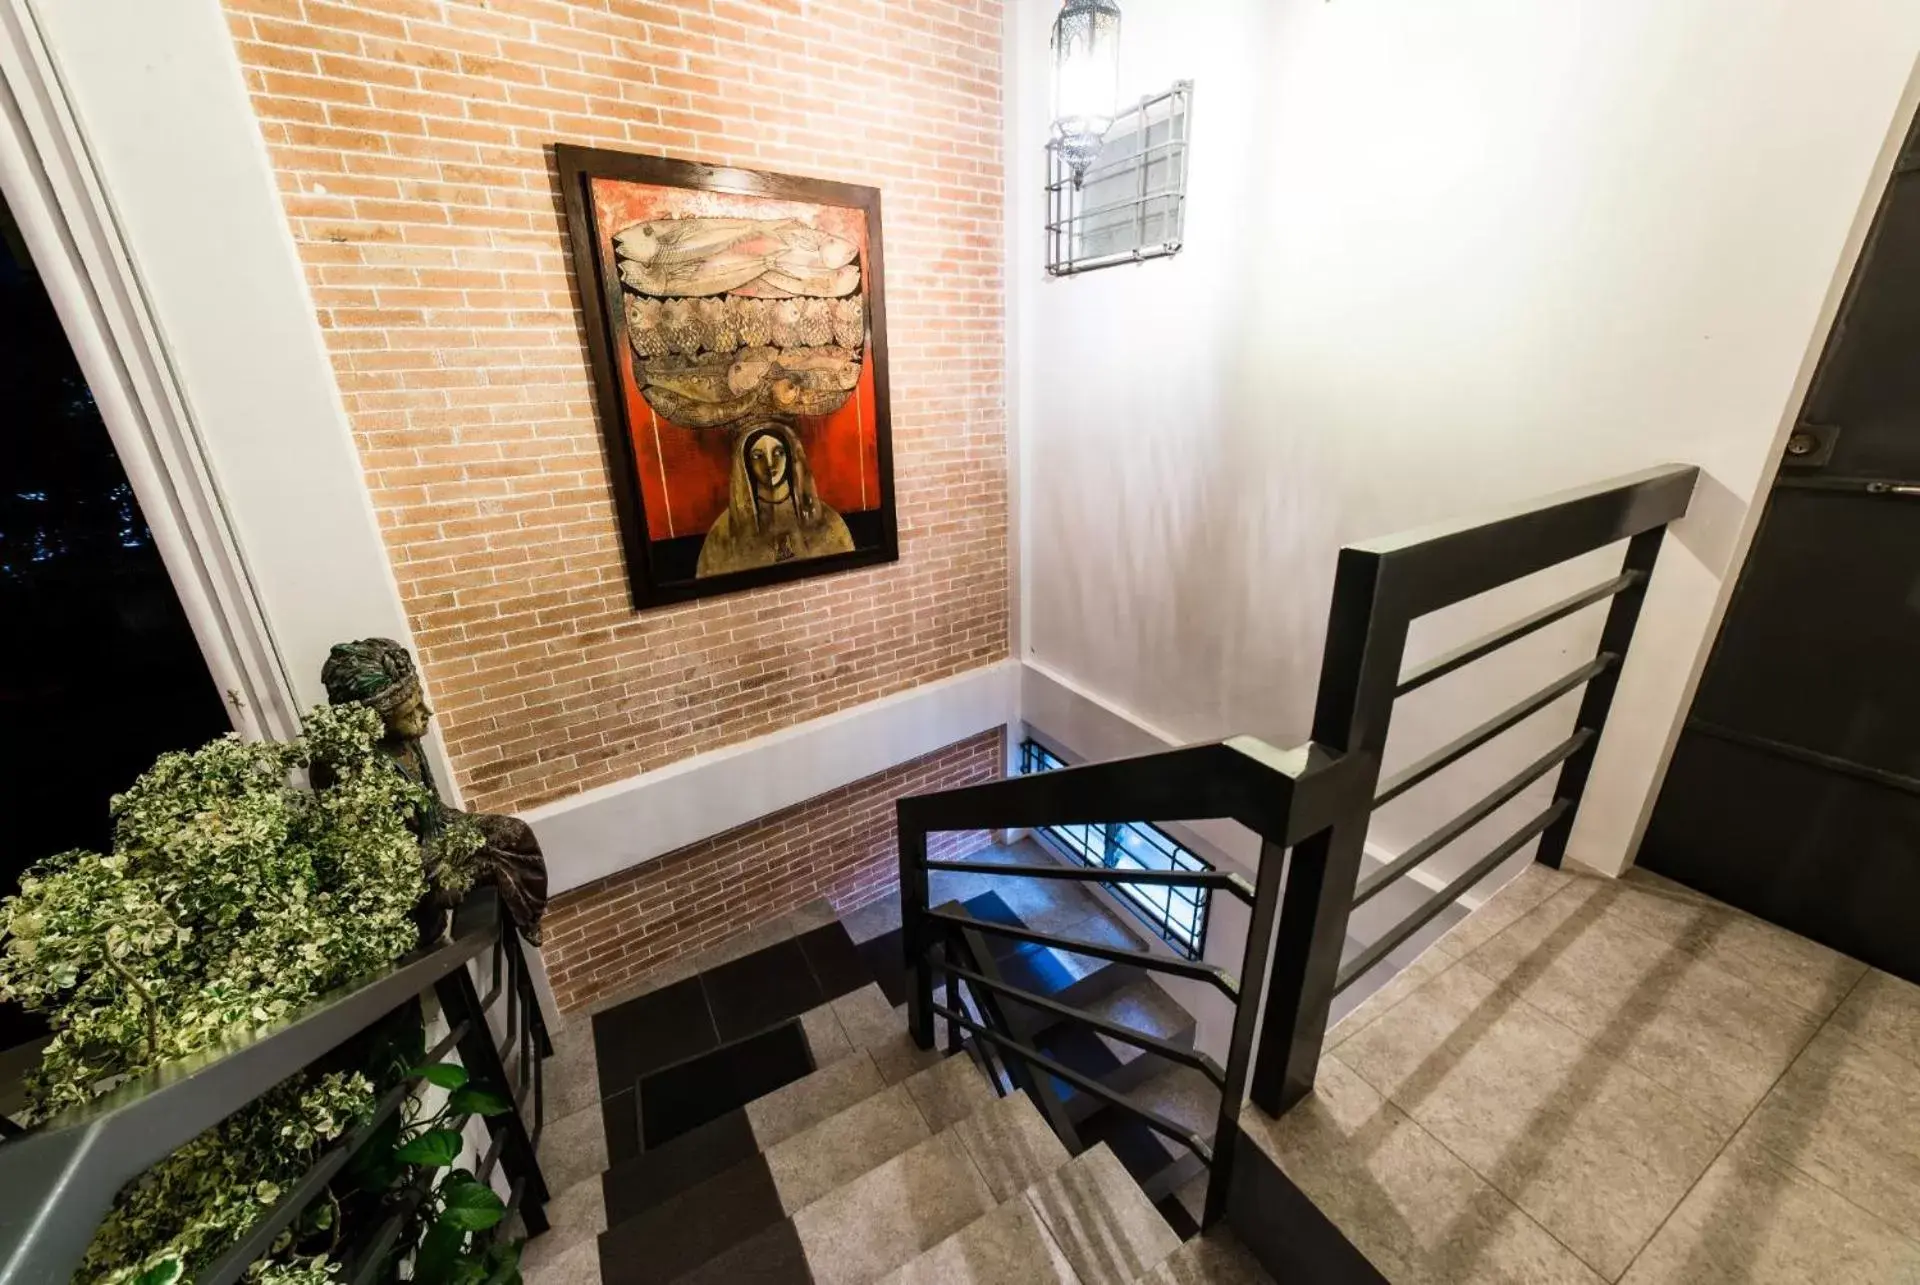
(438, 1254)
(470, 1205)
(472, 1101)
(436, 1149)
(447, 1075)
(165, 1272)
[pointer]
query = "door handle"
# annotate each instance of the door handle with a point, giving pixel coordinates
(1893, 488)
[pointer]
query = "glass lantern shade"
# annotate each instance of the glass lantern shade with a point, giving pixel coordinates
(1086, 78)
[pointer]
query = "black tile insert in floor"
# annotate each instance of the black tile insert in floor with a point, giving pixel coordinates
(762, 990)
(659, 1029)
(680, 1234)
(837, 965)
(684, 1097)
(657, 1175)
(774, 1257)
(620, 1115)
(881, 955)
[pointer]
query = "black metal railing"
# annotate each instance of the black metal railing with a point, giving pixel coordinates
(58, 1179)
(1311, 806)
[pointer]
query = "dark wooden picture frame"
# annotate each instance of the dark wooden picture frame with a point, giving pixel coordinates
(656, 568)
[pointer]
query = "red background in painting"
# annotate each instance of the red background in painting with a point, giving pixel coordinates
(684, 471)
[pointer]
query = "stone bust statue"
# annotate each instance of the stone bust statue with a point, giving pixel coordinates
(379, 672)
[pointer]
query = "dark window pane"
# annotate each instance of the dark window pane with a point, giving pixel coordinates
(99, 671)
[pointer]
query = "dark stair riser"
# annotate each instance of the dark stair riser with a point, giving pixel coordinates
(692, 1227)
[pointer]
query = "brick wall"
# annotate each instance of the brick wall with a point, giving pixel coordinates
(412, 143)
(840, 846)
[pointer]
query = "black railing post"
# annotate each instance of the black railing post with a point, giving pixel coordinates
(915, 940)
(1366, 639)
(1254, 974)
(460, 1002)
(1616, 636)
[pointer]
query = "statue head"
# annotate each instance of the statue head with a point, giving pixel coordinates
(380, 673)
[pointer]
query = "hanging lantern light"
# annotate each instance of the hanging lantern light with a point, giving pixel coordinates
(1086, 79)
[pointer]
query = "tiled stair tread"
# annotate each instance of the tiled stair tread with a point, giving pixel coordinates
(680, 1098)
(1006, 1246)
(840, 1148)
(949, 1092)
(1101, 1220)
(1213, 1258)
(1144, 1007)
(1010, 1144)
(863, 1229)
(804, 1103)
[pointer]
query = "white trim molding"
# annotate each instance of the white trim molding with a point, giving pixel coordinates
(603, 831)
(157, 221)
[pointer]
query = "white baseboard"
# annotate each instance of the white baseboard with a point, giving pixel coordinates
(603, 831)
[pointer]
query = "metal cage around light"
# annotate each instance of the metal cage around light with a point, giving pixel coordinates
(1129, 204)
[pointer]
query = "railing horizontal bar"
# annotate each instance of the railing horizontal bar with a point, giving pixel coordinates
(1400, 783)
(232, 1265)
(1210, 973)
(492, 1156)
(1441, 666)
(1374, 884)
(377, 1248)
(1351, 971)
(1126, 1034)
(1432, 567)
(1217, 879)
(1086, 1084)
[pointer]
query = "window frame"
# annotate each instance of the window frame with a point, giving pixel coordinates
(1106, 846)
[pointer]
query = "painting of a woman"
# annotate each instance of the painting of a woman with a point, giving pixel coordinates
(773, 512)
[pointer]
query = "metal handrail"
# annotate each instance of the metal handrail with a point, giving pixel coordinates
(1217, 880)
(59, 1180)
(1311, 805)
(1211, 974)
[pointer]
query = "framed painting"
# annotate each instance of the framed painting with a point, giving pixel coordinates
(737, 330)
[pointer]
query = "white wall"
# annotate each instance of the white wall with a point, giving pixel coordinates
(1438, 257)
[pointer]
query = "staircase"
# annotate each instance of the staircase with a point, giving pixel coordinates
(890, 1163)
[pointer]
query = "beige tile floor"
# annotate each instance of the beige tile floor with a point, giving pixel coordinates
(1605, 1080)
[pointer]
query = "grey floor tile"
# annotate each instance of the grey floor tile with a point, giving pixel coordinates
(1404, 983)
(1591, 1149)
(575, 1216)
(1753, 1217)
(573, 1148)
(1010, 1145)
(1884, 1011)
(875, 919)
(815, 914)
(807, 1101)
(1418, 1213)
(1215, 1258)
(1717, 1041)
(1527, 889)
(888, 1216)
(1848, 1115)
(570, 1079)
(949, 1091)
(839, 1149)
(866, 1016)
(1101, 1220)
(826, 1040)
(1786, 964)
(1006, 1246)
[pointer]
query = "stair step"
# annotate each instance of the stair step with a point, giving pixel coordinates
(1213, 1258)
(1007, 1246)
(804, 1103)
(865, 1228)
(1011, 1145)
(686, 1230)
(638, 1184)
(1105, 1226)
(837, 1150)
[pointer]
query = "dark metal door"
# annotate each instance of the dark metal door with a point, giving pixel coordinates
(1794, 792)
